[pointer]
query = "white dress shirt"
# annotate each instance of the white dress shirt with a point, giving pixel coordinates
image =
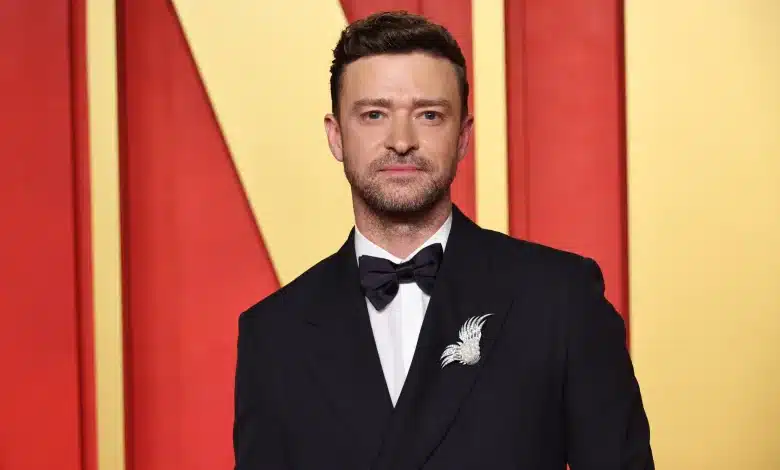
(397, 327)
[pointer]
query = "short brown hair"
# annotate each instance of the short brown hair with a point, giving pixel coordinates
(395, 33)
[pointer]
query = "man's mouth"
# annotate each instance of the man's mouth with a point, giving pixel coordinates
(400, 168)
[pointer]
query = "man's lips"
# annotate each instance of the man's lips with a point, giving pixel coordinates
(400, 168)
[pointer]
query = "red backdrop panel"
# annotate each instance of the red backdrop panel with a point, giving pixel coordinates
(40, 403)
(193, 256)
(455, 15)
(566, 130)
(83, 212)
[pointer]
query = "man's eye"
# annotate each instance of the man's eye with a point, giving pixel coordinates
(373, 115)
(430, 115)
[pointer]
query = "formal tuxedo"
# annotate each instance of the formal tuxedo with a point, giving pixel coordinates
(553, 383)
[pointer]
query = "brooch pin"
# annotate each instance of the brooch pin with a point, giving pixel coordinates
(466, 351)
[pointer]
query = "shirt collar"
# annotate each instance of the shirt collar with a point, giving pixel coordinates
(364, 246)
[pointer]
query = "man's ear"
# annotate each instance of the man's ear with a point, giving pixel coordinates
(466, 129)
(333, 133)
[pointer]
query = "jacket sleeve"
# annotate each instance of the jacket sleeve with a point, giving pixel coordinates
(607, 427)
(258, 442)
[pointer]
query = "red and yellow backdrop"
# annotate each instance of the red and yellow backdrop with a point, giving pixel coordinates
(164, 167)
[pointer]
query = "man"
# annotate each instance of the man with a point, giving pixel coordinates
(426, 341)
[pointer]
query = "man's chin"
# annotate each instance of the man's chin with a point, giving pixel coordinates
(400, 206)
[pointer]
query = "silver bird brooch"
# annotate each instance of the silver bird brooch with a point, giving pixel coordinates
(466, 351)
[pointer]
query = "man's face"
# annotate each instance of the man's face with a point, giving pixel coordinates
(399, 133)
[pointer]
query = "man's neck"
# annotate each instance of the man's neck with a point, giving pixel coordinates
(400, 236)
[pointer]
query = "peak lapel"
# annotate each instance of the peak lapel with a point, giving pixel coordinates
(465, 287)
(343, 354)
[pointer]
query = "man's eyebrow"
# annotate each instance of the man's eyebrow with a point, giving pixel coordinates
(378, 102)
(431, 103)
(416, 103)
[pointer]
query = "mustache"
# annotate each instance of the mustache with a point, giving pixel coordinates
(407, 159)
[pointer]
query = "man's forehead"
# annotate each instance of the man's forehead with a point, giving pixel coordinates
(427, 74)
(409, 62)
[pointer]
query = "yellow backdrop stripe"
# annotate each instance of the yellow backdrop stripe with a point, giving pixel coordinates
(704, 199)
(490, 114)
(106, 249)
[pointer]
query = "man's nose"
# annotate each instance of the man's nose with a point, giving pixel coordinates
(402, 137)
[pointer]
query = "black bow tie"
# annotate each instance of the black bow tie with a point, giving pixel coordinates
(380, 277)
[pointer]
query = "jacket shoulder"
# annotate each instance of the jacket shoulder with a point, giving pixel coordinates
(288, 298)
(544, 262)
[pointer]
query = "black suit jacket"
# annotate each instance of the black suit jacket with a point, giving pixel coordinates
(554, 384)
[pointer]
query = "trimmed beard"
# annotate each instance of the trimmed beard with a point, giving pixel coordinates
(382, 201)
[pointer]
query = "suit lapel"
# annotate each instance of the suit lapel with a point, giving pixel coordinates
(465, 287)
(343, 354)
